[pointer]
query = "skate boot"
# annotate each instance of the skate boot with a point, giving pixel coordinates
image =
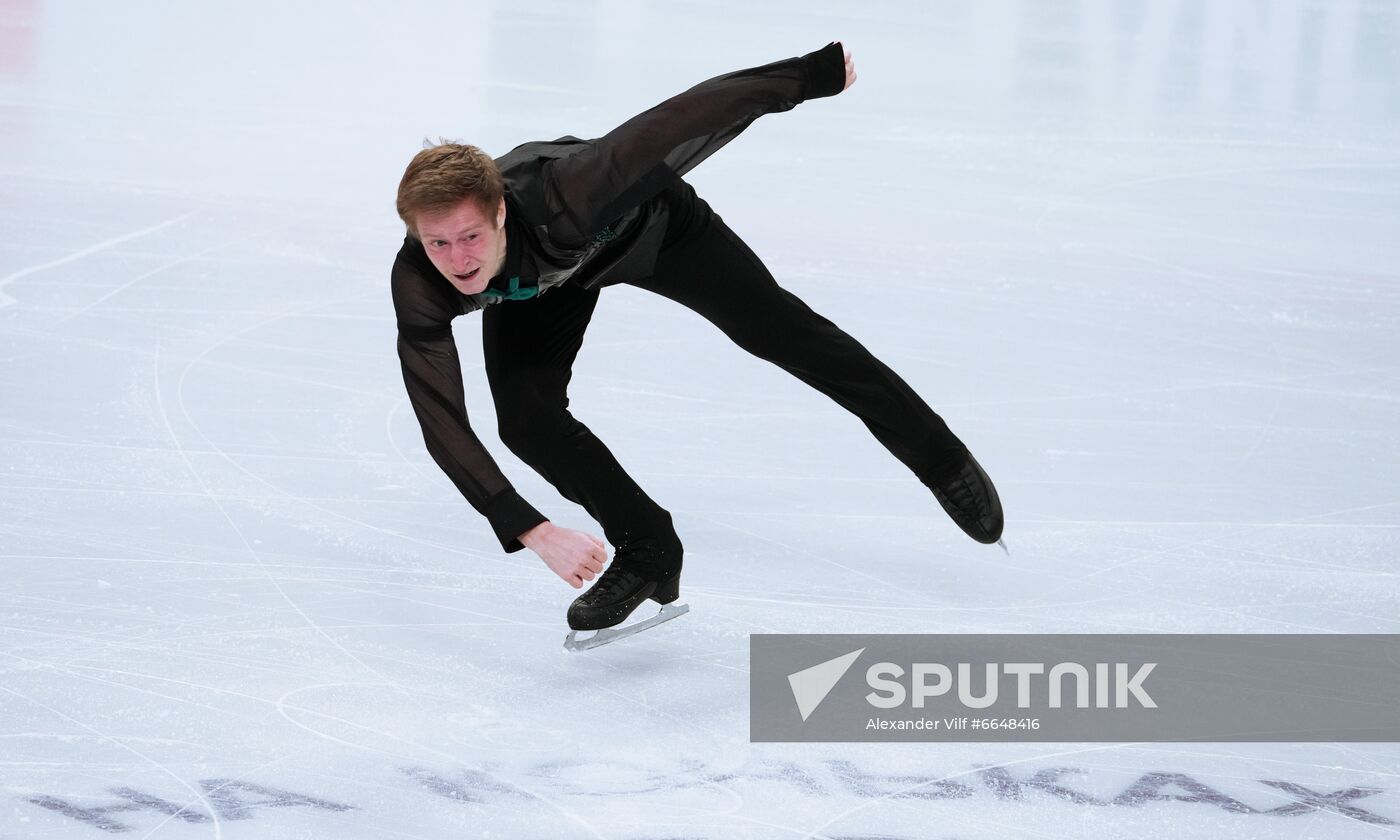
(638, 571)
(967, 494)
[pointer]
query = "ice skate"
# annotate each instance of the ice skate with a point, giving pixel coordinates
(966, 492)
(612, 634)
(637, 573)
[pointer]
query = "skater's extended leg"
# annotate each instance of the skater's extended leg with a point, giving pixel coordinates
(530, 348)
(708, 268)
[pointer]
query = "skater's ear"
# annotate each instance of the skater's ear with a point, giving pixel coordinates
(501, 213)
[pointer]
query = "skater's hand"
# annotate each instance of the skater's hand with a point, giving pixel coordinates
(572, 555)
(850, 69)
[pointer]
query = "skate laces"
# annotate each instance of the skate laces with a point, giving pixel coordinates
(959, 490)
(614, 577)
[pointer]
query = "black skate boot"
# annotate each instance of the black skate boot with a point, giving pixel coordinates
(967, 494)
(638, 571)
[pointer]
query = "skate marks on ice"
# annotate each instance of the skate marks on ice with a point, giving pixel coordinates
(6, 300)
(689, 794)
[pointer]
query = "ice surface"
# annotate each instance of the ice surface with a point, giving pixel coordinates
(1141, 255)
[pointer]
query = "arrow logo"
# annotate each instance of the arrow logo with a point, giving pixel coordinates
(811, 685)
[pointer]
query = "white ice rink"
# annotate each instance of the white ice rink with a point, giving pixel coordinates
(1142, 256)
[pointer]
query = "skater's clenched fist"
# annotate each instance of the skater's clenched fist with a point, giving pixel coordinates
(574, 556)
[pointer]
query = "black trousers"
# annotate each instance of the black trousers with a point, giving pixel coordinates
(530, 347)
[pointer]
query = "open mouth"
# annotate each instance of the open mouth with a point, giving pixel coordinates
(469, 275)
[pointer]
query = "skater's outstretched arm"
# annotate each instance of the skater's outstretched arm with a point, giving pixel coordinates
(432, 373)
(639, 158)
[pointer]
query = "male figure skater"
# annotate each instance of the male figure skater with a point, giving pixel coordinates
(530, 239)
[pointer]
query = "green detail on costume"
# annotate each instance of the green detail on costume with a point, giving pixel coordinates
(513, 291)
(604, 235)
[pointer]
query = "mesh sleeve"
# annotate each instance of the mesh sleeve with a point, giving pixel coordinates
(432, 374)
(636, 160)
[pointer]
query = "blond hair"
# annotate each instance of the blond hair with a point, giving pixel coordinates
(444, 175)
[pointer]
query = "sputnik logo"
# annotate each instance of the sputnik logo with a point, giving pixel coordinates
(811, 685)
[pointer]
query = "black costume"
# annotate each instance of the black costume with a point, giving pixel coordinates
(581, 215)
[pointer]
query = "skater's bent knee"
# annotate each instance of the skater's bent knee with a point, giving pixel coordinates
(532, 436)
(525, 438)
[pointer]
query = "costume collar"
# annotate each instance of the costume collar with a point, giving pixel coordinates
(507, 285)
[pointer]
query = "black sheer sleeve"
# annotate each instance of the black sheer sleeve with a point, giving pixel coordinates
(432, 373)
(636, 160)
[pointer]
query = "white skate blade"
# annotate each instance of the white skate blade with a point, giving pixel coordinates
(1002, 543)
(612, 634)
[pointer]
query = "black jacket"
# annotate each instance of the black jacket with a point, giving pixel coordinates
(585, 211)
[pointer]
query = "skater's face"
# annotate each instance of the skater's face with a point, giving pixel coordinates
(466, 245)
